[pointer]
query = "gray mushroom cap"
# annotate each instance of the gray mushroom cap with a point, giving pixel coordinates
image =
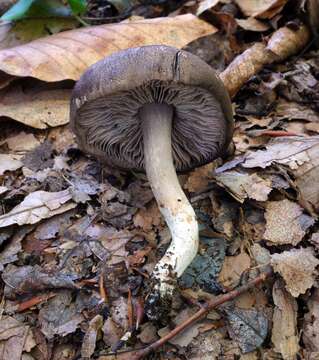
(107, 99)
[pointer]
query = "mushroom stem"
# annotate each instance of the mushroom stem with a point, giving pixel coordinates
(173, 204)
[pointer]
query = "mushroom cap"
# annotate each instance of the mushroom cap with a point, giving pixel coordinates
(106, 100)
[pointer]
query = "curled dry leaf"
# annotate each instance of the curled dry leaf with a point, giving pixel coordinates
(284, 332)
(297, 267)
(311, 325)
(90, 337)
(252, 24)
(285, 222)
(206, 5)
(66, 55)
(283, 43)
(37, 206)
(265, 9)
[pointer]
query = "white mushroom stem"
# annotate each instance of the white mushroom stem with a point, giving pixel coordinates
(173, 204)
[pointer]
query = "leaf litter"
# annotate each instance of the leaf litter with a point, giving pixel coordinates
(79, 241)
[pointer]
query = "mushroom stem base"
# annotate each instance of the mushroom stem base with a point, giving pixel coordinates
(173, 204)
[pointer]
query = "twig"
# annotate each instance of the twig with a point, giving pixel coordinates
(206, 307)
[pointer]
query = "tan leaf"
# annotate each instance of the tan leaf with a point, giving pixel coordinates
(9, 163)
(22, 142)
(206, 5)
(149, 217)
(90, 337)
(34, 107)
(66, 55)
(285, 222)
(265, 9)
(199, 178)
(298, 269)
(37, 206)
(232, 269)
(284, 332)
(311, 324)
(252, 24)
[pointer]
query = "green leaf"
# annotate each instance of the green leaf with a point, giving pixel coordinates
(36, 8)
(78, 7)
(17, 11)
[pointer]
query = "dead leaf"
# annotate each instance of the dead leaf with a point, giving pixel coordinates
(265, 9)
(206, 5)
(148, 333)
(9, 163)
(232, 269)
(149, 217)
(90, 337)
(285, 222)
(252, 24)
(284, 332)
(298, 269)
(292, 110)
(242, 186)
(112, 333)
(37, 206)
(14, 338)
(36, 108)
(310, 334)
(68, 54)
(22, 142)
(199, 178)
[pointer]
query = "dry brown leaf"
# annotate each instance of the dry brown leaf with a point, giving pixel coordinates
(34, 107)
(285, 222)
(310, 334)
(243, 186)
(37, 206)
(283, 43)
(90, 337)
(199, 178)
(149, 217)
(252, 24)
(232, 269)
(265, 9)
(9, 163)
(292, 110)
(284, 332)
(298, 269)
(22, 142)
(68, 54)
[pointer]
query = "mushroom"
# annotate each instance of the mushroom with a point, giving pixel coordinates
(156, 109)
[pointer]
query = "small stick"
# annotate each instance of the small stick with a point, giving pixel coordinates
(206, 307)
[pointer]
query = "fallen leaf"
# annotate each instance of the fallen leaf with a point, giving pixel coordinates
(68, 54)
(112, 333)
(13, 338)
(298, 269)
(206, 5)
(285, 222)
(248, 328)
(242, 186)
(37, 206)
(292, 110)
(29, 279)
(148, 333)
(199, 178)
(34, 107)
(90, 337)
(9, 163)
(233, 268)
(252, 24)
(284, 332)
(148, 217)
(22, 142)
(310, 333)
(265, 9)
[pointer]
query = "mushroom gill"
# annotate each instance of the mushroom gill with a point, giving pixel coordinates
(112, 124)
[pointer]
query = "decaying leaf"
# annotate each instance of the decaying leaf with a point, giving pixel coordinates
(199, 178)
(232, 269)
(37, 206)
(15, 337)
(206, 5)
(284, 332)
(298, 269)
(248, 328)
(66, 55)
(90, 337)
(34, 107)
(9, 163)
(265, 9)
(310, 334)
(252, 24)
(285, 222)
(243, 186)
